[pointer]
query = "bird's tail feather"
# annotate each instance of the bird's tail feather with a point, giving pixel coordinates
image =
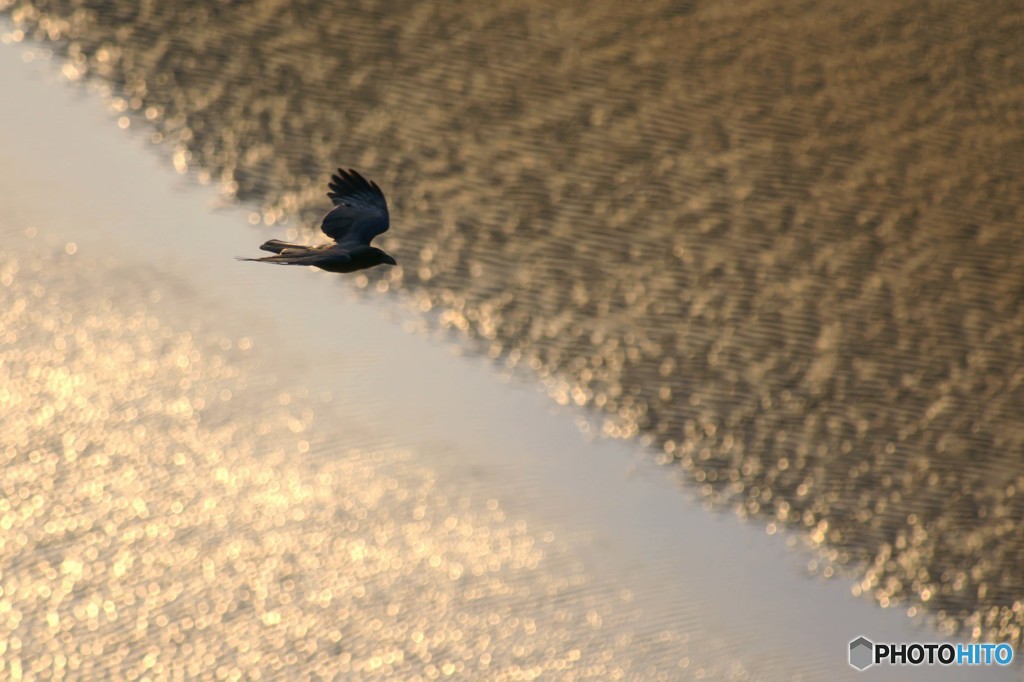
(277, 246)
(287, 254)
(285, 259)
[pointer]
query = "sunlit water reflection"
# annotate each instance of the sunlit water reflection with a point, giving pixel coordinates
(169, 510)
(780, 242)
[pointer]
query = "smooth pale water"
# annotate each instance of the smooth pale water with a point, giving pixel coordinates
(780, 243)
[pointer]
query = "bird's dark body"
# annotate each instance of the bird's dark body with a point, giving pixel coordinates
(360, 213)
(326, 257)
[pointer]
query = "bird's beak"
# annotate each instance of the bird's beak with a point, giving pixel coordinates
(390, 261)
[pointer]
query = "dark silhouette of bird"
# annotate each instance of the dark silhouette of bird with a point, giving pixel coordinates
(360, 213)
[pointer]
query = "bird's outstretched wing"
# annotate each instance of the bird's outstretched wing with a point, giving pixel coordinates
(360, 212)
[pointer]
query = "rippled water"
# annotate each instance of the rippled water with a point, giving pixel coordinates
(165, 526)
(781, 241)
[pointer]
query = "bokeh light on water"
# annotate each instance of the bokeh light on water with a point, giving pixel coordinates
(169, 510)
(782, 242)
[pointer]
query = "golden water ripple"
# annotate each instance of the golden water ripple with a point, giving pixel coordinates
(168, 511)
(779, 241)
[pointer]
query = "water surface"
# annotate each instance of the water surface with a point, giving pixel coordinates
(781, 242)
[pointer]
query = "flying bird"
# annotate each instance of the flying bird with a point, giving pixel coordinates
(360, 213)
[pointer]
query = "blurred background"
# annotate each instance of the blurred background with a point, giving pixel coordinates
(777, 245)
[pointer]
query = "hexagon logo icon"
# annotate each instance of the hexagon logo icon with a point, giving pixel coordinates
(861, 653)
